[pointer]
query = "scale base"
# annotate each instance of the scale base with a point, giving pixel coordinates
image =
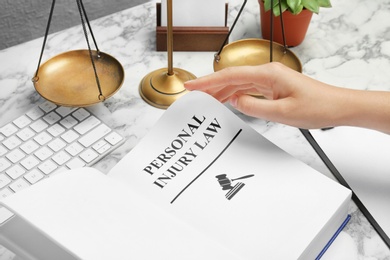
(160, 89)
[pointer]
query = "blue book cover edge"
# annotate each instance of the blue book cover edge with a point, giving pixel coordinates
(334, 237)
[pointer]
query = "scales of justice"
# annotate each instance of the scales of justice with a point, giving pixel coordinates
(85, 77)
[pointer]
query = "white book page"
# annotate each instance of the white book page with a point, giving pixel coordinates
(190, 164)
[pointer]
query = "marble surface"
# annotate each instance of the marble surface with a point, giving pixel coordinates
(347, 45)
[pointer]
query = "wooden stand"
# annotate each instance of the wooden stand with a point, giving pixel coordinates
(191, 38)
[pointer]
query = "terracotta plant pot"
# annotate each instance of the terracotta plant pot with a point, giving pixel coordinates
(295, 26)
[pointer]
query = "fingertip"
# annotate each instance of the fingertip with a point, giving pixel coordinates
(233, 100)
(187, 84)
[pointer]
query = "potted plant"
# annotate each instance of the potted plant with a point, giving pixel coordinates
(297, 15)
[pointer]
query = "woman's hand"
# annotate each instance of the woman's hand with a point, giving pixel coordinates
(293, 98)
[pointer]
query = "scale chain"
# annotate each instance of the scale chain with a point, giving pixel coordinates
(81, 9)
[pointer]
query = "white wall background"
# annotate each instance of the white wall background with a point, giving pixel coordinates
(24, 20)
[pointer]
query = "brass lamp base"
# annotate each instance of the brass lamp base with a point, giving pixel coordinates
(160, 89)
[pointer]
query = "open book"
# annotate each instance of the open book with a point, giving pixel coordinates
(201, 185)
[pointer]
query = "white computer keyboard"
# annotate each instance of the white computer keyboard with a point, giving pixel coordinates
(49, 139)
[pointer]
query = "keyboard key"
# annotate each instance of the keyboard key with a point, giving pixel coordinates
(94, 135)
(113, 138)
(30, 162)
(43, 153)
(81, 114)
(47, 106)
(29, 146)
(88, 155)
(51, 118)
(68, 122)
(35, 113)
(47, 167)
(8, 129)
(43, 138)
(19, 185)
(56, 145)
(70, 136)
(101, 146)
(22, 121)
(25, 134)
(74, 149)
(12, 142)
(87, 124)
(15, 171)
(64, 111)
(15, 155)
(4, 164)
(56, 130)
(34, 176)
(4, 180)
(61, 157)
(39, 125)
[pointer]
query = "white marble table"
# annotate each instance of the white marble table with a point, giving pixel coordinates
(347, 45)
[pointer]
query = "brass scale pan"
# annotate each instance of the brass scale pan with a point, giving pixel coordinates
(255, 51)
(78, 78)
(68, 79)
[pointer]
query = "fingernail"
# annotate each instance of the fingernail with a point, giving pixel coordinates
(233, 101)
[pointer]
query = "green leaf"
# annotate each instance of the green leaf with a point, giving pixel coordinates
(298, 10)
(295, 6)
(276, 8)
(324, 3)
(311, 5)
(267, 5)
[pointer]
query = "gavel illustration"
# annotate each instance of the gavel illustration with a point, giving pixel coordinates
(226, 183)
